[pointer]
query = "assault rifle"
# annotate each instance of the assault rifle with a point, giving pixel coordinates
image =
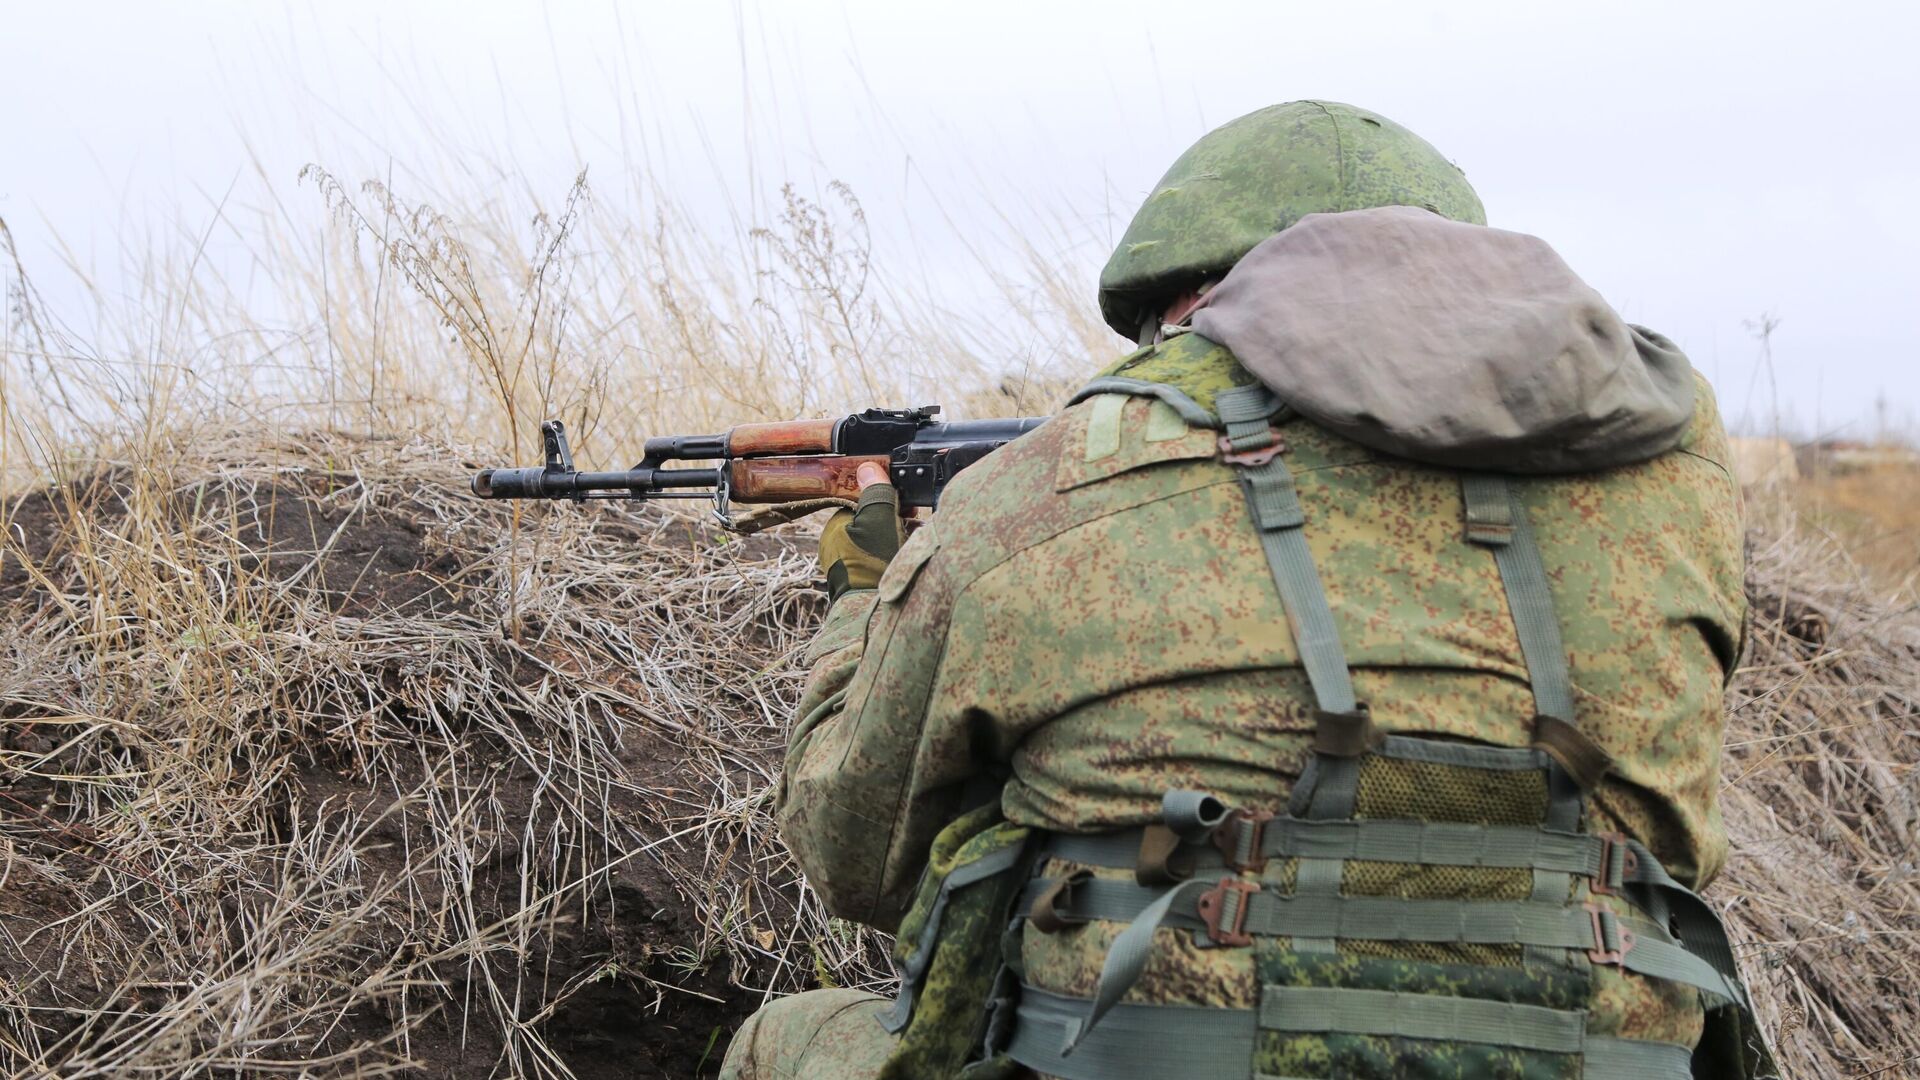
(785, 462)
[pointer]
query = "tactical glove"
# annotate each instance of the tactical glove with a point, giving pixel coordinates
(857, 544)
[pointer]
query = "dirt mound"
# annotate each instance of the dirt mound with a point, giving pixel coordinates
(309, 756)
(306, 756)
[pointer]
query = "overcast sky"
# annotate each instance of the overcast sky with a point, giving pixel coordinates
(1700, 163)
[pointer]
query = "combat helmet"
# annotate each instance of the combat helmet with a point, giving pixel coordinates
(1252, 177)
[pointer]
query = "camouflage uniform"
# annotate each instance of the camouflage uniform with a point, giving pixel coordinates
(1089, 622)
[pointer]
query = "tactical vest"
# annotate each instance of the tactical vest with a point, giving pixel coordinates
(1547, 900)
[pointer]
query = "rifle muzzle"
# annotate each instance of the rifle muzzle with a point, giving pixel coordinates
(508, 483)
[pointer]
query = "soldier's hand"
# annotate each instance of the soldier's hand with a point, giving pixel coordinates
(857, 544)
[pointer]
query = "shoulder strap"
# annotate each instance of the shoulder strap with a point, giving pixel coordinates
(1497, 520)
(1253, 446)
(1342, 729)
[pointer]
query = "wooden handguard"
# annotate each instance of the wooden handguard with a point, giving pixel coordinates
(781, 437)
(789, 479)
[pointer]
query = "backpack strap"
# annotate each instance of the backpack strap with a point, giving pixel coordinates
(1253, 446)
(1497, 520)
(1343, 730)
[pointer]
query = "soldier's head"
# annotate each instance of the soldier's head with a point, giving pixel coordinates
(1252, 177)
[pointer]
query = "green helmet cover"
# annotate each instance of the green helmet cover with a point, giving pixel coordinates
(1252, 177)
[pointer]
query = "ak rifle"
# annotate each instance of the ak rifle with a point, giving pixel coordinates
(788, 461)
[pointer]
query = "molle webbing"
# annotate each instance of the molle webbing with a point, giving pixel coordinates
(1432, 843)
(1197, 1043)
(1634, 944)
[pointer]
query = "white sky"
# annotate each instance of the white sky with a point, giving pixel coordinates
(1698, 162)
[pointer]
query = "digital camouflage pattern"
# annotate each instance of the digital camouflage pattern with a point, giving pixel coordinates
(1254, 176)
(812, 1036)
(949, 944)
(1091, 615)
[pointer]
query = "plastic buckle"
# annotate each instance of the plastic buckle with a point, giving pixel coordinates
(1607, 931)
(1255, 456)
(1046, 916)
(1224, 909)
(1606, 882)
(1239, 839)
(1161, 861)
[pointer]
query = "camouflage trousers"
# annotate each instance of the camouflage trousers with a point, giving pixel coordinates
(821, 1035)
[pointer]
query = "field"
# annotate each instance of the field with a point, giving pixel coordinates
(1874, 515)
(312, 765)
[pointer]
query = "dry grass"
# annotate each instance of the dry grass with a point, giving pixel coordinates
(260, 808)
(310, 764)
(1874, 516)
(1822, 800)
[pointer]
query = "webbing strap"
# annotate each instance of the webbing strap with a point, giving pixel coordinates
(1694, 922)
(1497, 520)
(1127, 956)
(1326, 791)
(1317, 879)
(1156, 1041)
(1277, 514)
(1608, 1058)
(1431, 843)
(1322, 1010)
(1342, 730)
(1144, 1041)
(1190, 410)
(1641, 947)
(994, 863)
(1463, 755)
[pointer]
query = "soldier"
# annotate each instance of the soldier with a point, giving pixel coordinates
(1333, 689)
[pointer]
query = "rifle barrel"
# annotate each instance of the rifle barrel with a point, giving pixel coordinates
(770, 463)
(540, 483)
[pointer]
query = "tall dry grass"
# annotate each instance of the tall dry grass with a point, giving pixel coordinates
(264, 811)
(1873, 515)
(311, 765)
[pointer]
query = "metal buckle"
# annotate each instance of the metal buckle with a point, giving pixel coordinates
(1256, 456)
(1227, 902)
(1244, 830)
(1623, 937)
(1602, 884)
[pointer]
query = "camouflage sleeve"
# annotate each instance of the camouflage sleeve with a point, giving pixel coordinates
(864, 789)
(831, 660)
